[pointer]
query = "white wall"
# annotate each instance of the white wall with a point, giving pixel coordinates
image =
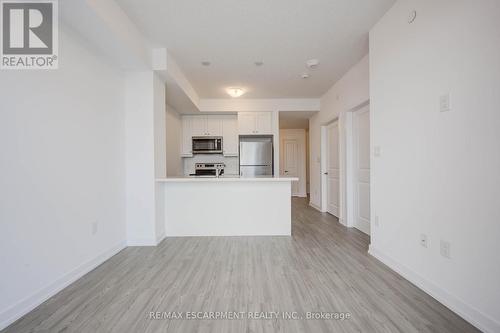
(174, 136)
(62, 168)
(438, 173)
(350, 91)
(140, 208)
(160, 147)
(145, 156)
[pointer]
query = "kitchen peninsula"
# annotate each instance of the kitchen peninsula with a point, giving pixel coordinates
(227, 206)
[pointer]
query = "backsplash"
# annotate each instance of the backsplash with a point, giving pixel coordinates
(232, 163)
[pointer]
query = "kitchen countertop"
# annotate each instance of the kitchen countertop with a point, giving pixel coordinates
(226, 178)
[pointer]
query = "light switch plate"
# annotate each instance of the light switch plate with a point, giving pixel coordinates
(444, 103)
(423, 240)
(376, 151)
(445, 249)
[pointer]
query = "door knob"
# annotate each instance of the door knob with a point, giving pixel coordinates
(326, 173)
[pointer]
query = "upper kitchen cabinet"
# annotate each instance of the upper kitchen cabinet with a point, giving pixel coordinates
(251, 123)
(186, 140)
(230, 135)
(206, 126)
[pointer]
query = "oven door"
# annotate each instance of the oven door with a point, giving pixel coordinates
(207, 145)
(205, 172)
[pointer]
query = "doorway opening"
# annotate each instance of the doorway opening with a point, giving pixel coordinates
(294, 149)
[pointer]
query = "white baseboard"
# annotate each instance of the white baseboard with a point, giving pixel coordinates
(315, 206)
(29, 303)
(160, 237)
(142, 242)
(467, 312)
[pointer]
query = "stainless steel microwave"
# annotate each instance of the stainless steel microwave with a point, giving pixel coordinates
(207, 145)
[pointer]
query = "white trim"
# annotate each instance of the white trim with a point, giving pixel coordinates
(160, 237)
(323, 165)
(252, 104)
(26, 305)
(466, 311)
(315, 206)
(349, 170)
(142, 242)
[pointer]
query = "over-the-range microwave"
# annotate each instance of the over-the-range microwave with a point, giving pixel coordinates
(207, 145)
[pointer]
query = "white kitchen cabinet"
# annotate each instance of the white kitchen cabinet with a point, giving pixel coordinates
(186, 142)
(209, 125)
(199, 126)
(230, 138)
(214, 125)
(251, 123)
(263, 123)
(206, 126)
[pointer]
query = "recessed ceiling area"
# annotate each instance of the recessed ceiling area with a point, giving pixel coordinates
(281, 34)
(295, 119)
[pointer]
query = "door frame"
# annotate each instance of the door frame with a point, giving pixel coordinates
(346, 138)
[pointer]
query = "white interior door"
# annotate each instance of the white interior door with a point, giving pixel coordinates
(290, 162)
(333, 171)
(293, 158)
(361, 154)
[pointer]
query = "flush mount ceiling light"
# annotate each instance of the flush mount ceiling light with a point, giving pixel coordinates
(206, 63)
(235, 92)
(312, 63)
(304, 76)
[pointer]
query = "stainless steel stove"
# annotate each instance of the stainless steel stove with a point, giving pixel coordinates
(209, 169)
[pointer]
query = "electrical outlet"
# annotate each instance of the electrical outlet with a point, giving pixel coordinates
(94, 227)
(445, 249)
(423, 240)
(376, 151)
(444, 103)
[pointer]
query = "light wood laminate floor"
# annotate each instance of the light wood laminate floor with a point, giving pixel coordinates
(322, 267)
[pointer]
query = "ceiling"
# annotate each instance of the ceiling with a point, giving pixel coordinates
(283, 34)
(295, 119)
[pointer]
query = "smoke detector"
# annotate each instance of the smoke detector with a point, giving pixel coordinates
(412, 16)
(312, 63)
(304, 76)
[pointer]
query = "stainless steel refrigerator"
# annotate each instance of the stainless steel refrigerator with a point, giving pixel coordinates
(256, 156)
